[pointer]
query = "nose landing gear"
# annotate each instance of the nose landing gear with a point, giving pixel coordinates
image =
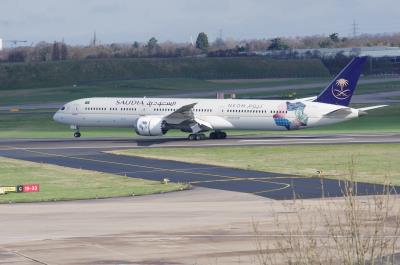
(77, 133)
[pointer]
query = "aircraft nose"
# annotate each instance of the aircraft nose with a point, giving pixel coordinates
(56, 116)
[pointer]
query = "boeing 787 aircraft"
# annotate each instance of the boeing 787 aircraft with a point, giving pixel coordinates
(155, 116)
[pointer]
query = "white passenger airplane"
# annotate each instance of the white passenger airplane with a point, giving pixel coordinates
(155, 116)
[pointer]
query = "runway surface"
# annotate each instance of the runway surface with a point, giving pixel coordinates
(157, 142)
(89, 154)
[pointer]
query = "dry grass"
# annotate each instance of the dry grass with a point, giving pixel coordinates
(357, 230)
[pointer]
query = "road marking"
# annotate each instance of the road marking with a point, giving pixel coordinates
(284, 140)
(243, 179)
(284, 185)
(155, 170)
(300, 140)
(121, 146)
(24, 256)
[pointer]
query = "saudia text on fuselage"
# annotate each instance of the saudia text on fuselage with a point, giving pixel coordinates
(142, 102)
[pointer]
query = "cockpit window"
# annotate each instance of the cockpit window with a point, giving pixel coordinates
(62, 108)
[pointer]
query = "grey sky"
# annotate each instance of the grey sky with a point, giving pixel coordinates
(177, 20)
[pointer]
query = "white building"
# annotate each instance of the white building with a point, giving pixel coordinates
(1, 44)
(375, 51)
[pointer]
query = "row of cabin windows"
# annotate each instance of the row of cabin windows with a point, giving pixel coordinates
(195, 110)
(202, 110)
(164, 109)
(128, 109)
(134, 109)
(257, 111)
(122, 109)
(95, 108)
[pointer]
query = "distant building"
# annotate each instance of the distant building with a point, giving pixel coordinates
(374, 51)
(1, 44)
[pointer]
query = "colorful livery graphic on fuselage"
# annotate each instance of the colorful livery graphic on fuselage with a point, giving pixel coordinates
(156, 116)
(300, 117)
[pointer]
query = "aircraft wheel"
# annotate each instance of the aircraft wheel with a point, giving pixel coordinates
(77, 134)
(213, 135)
(197, 137)
(218, 135)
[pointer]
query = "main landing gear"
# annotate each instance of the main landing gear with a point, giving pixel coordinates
(201, 136)
(218, 135)
(197, 136)
(77, 134)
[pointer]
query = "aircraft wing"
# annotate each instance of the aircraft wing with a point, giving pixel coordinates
(184, 116)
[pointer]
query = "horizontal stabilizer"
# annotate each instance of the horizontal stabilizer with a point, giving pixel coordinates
(339, 113)
(363, 111)
(372, 107)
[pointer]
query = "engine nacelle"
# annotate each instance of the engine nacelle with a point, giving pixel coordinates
(151, 126)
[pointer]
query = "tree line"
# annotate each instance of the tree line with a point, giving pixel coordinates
(59, 51)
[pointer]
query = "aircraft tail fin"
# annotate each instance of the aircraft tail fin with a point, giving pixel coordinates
(341, 89)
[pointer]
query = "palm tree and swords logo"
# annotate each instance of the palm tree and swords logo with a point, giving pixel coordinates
(339, 91)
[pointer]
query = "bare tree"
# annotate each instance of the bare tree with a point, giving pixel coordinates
(55, 53)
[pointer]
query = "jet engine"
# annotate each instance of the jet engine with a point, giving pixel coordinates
(151, 126)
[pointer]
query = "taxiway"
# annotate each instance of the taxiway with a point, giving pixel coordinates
(92, 154)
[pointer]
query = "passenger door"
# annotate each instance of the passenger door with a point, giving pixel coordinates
(75, 109)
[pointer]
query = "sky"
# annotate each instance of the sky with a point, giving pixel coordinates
(120, 21)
